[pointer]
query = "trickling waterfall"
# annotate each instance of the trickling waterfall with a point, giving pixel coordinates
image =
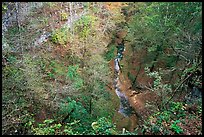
(125, 108)
(116, 64)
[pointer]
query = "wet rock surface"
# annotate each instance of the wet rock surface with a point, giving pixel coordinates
(125, 107)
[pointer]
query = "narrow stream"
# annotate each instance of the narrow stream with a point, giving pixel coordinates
(125, 107)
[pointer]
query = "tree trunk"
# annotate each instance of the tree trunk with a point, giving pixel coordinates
(134, 83)
(155, 59)
(71, 17)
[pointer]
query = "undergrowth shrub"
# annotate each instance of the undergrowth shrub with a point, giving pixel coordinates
(109, 55)
(52, 127)
(83, 26)
(74, 110)
(63, 16)
(61, 36)
(73, 75)
(103, 126)
(166, 121)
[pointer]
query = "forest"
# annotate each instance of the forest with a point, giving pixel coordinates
(101, 68)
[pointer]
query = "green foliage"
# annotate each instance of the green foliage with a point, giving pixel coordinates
(78, 83)
(83, 26)
(104, 127)
(86, 5)
(163, 116)
(153, 26)
(109, 55)
(158, 86)
(156, 29)
(96, 10)
(48, 121)
(132, 77)
(12, 59)
(53, 69)
(4, 7)
(96, 75)
(63, 16)
(50, 128)
(155, 129)
(67, 108)
(34, 77)
(156, 76)
(73, 75)
(79, 111)
(165, 119)
(103, 107)
(177, 108)
(15, 93)
(15, 30)
(170, 61)
(51, 4)
(13, 76)
(61, 36)
(176, 128)
(102, 91)
(97, 70)
(199, 110)
(11, 38)
(44, 20)
(72, 72)
(190, 70)
(76, 111)
(193, 70)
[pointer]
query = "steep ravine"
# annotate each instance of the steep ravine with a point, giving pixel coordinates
(131, 109)
(134, 106)
(125, 116)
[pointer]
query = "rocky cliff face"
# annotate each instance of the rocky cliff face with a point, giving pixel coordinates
(17, 12)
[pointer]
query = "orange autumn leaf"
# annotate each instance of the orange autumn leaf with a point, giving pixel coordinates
(113, 5)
